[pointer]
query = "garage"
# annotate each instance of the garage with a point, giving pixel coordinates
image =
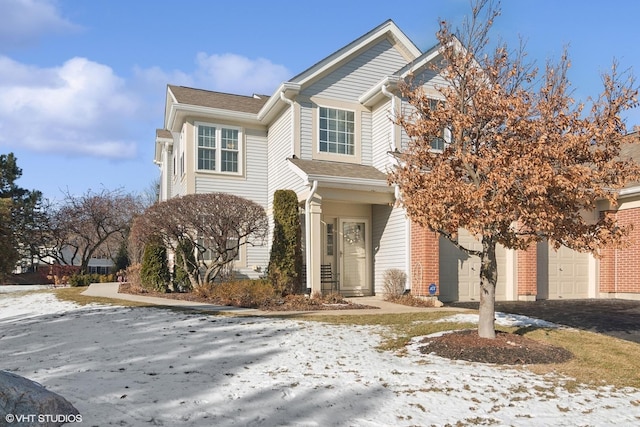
(562, 273)
(460, 273)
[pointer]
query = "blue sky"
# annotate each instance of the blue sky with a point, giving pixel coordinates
(82, 82)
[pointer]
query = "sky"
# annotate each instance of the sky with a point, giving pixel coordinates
(83, 83)
(192, 369)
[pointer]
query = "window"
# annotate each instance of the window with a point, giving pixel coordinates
(229, 147)
(202, 249)
(218, 149)
(438, 142)
(336, 131)
(206, 148)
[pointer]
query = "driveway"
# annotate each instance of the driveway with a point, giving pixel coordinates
(615, 317)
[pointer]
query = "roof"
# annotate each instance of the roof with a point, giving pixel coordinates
(219, 100)
(630, 149)
(163, 133)
(317, 169)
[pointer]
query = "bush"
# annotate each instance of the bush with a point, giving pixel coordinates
(394, 283)
(87, 279)
(181, 281)
(240, 293)
(154, 272)
(285, 262)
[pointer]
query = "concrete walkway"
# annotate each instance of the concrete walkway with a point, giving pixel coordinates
(110, 290)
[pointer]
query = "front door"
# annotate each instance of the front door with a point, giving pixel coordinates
(354, 276)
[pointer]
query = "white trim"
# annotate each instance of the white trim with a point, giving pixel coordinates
(356, 138)
(631, 191)
(218, 148)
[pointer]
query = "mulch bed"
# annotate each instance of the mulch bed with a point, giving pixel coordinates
(292, 303)
(505, 349)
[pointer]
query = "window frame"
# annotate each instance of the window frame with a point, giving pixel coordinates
(354, 132)
(218, 150)
(444, 140)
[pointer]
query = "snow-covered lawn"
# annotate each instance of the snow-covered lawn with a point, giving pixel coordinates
(143, 366)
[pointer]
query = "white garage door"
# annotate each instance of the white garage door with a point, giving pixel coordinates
(460, 274)
(566, 275)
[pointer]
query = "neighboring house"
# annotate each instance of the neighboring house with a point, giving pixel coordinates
(327, 135)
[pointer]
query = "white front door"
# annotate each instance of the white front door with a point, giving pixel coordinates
(354, 271)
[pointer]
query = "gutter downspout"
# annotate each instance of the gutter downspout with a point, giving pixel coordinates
(293, 122)
(396, 192)
(307, 231)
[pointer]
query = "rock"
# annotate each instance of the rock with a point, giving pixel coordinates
(26, 403)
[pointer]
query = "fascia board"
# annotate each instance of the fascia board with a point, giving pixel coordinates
(269, 109)
(176, 109)
(421, 62)
(370, 97)
(628, 192)
(169, 109)
(360, 183)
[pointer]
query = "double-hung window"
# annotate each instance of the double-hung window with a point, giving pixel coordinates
(439, 142)
(336, 131)
(219, 148)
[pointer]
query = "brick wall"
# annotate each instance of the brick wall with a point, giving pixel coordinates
(527, 277)
(620, 268)
(425, 260)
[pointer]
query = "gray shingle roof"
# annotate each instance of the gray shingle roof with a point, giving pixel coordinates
(338, 169)
(226, 101)
(163, 133)
(631, 151)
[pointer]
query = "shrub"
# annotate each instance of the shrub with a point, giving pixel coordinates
(394, 282)
(181, 281)
(240, 293)
(285, 262)
(154, 272)
(60, 274)
(132, 275)
(87, 279)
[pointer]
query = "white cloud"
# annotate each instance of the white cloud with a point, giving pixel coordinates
(79, 108)
(25, 21)
(238, 74)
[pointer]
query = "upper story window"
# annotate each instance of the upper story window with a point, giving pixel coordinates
(218, 148)
(439, 142)
(336, 131)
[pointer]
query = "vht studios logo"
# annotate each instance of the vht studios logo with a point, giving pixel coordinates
(43, 418)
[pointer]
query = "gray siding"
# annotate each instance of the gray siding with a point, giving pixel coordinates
(280, 175)
(359, 74)
(306, 130)
(252, 186)
(389, 242)
(366, 138)
(381, 139)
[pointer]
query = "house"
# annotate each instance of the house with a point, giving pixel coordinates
(327, 135)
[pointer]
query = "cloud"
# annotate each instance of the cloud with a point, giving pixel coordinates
(238, 74)
(79, 108)
(24, 22)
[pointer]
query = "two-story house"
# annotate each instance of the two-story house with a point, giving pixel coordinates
(327, 134)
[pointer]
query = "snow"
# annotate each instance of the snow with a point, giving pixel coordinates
(134, 366)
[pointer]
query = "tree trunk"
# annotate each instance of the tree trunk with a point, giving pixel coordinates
(488, 280)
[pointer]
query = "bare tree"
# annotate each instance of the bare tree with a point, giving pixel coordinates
(216, 225)
(91, 225)
(523, 162)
